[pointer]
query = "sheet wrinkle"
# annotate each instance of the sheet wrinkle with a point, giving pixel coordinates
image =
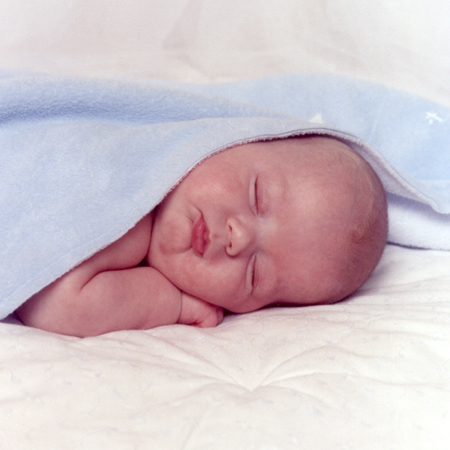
(385, 380)
(197, 361)
(300, 389)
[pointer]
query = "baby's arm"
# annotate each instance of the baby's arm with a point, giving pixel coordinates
(198, 312)
(107, 292)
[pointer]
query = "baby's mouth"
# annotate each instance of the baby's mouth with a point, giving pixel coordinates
(200, 237)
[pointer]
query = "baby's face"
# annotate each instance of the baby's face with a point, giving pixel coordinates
(254, 225)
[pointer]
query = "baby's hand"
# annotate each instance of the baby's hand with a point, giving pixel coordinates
(198, 312)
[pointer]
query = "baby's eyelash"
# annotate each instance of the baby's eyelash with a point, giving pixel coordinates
(256, 194)
(253, 273)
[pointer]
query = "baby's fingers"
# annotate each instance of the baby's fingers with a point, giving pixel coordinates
(212, 319)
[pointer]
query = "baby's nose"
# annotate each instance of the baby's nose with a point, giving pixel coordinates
(240, 236)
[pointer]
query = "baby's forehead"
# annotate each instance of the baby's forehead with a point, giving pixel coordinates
(300, 150)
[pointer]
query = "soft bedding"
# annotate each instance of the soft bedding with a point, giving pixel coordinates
(372, 372)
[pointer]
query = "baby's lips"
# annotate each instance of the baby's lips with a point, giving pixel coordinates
(200, 237)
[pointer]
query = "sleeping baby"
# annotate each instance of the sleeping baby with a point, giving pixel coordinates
(297, 221)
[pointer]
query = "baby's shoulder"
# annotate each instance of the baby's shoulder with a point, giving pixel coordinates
(143, 229)
(137, 240)
(128, 251)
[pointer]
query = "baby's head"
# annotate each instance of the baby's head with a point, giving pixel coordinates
(298, 221)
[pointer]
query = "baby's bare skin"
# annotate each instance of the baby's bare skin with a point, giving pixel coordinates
(111, 291)
(255, 225)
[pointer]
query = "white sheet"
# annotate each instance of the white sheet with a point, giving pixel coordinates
(369, 373)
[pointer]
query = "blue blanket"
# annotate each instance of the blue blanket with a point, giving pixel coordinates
(84, 160)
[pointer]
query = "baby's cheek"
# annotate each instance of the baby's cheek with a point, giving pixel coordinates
(215, 288)
(219, 189)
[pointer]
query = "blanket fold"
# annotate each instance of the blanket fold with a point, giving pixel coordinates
(84, 160)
